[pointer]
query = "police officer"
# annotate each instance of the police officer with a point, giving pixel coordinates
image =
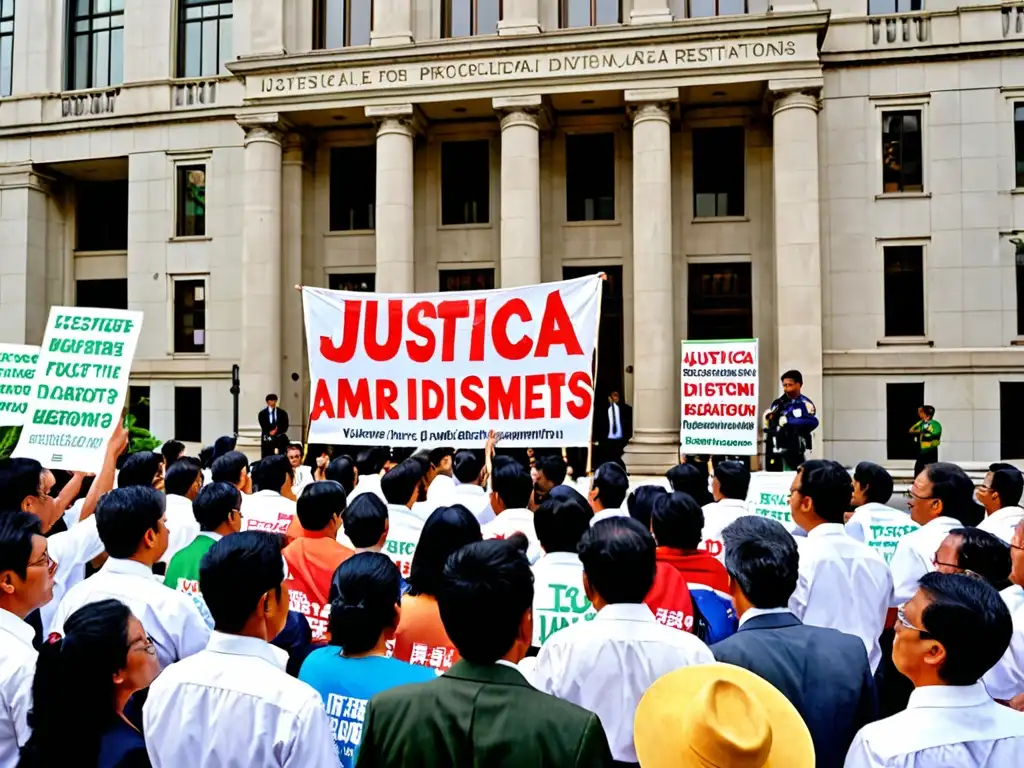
(788, 425)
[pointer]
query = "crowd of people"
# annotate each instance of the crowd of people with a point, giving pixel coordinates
(381, 607)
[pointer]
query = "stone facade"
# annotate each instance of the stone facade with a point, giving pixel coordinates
(810, 83)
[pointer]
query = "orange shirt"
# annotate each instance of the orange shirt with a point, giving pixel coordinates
(421, 638)
(312, 561)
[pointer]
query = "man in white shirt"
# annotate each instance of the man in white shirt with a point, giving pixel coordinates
(549, 471)
(132, 525)
(269, 508)
(947, 636)
(729, 489)
(843, 583)
(1000, 496)
(365, 522)
(303, 474)
(368, 468)
(232, 467)
(471, 485)
(142, 468)
(941, 499)
(608, 489)
(1005, 680)
(26, 583)
(182, 484)
(874, 522)
(511, 487)
(607, 664)
(401, 486)
(194, 709)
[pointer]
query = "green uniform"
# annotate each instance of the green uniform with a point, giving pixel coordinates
(930, 433)
(183, 570)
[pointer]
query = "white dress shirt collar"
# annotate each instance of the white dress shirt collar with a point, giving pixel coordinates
(826, 529)
(753, 613)
(123, 567)
(239, 645)
(471, 489)
(607, 514)
(948, 696)
(626, 612)
(517, 515)
(729, 503)
(943, 521)
(268, 494)
(560, 558)
(17, 627)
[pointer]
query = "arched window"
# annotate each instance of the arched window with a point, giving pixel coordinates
(462, 18)
(204, 37)
(342, 23)
(589, 13)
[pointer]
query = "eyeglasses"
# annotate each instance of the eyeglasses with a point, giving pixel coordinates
(901, 618)
(936, 564)
(45, 561)
(911, 496)
(148, 645)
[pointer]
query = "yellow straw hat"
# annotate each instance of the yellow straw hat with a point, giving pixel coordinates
(719, 716)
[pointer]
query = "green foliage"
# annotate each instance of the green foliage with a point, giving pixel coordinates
(140, 439)
(8, 439)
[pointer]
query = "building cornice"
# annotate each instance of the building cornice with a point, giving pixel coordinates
(874, 362)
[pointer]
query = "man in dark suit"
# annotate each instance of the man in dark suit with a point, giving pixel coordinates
(613, 428)
(273, 428)
(482, 712)
(823, 672)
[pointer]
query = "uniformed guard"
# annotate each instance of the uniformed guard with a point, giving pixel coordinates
(788, 425)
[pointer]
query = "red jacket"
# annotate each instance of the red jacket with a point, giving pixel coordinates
(696, 567)
(669, 599)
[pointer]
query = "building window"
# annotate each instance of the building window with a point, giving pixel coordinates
(466, 279)
(718, 171)
(719, 301)
(1018, 142)
(1011, 436)
(590, 177)
(191, 201)
(342, 23)
(101, 216)
(6, 46)
(353, 188)
(96, 42)
(465, 182)
(904, 290)
(901, 404)
(188, 414)
(703, 8)
(589, 13)
(470, 17)
(365, 282)
(138, 405)
(204, 37)
(881, 7)
(189, 316)
(102, 294)
(902, 169)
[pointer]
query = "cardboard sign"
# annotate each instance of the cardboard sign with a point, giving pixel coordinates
(444, 368)
(768, 496)
(81, 382)
(718, 384)
(17, 371)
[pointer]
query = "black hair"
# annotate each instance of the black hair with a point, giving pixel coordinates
(343, 470)
(437, 455)
(171, 451)
(364, 592)
(733, 479)
(78, 667)
(272, 473)
(972, 622)
(320, 503)
(640, 503)
(612, 484)
(561, 524)
(568, 493)
(876, 479)
(19, 479)
(270, 397)
(691, 479)
(16, 531)
(364, 520)
(223, 445)
(829, 486)
(511, 482)
(206, 457)
(370, 461)
(214, 504)
(400, 482)
(677, 521)
(762, 558)
(553, 467)
(139, 469)
(618, 559)
(1009, 484)
(929, 410)
(125, 515)
(180, 477)
(236, 572)
(997, 465)
(952, 486)
(985, 554)
(793, 375)
(486, 589)
(467, 466)
(445, 531)
(228, 468)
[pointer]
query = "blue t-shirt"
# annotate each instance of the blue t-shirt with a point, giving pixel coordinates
(346, 686)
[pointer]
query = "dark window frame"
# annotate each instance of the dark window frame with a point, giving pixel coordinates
(362, 282)
(223, 16)
(113, 20)
(720, 294)
(448, 15)
(7, 37)
(184, 333)
(188, 427)
(905, 313)
(1018, 143)
(1011, 437)
(898, 150)
(183, 192)
(320, 25)
(596, 6)
(483, 275)
(346, 198)
(111, 288)
(915, 6)
(138, 404)
(590, 179)
(718, 10)
(94, 224)
(901, 404)
(467, 187)
(710, 168)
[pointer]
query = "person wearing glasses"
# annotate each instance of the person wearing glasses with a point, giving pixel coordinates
(974, 551)
(949, 634)
(102, 660)
(1005, 681)
(1000, 495)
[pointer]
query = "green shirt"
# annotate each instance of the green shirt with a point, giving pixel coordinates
(183, 570)
(930, 432)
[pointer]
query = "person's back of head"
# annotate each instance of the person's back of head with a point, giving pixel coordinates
(181, 476)
(365, 520)
(618, 556)
(320, 505)
(997, 465)
(553, 467)
(273, 473)
(20, 480)
(561, 524)
(241, 579)
(400, 483)
(467, 467)
(343, 470)
(733, 479)
(984, 554)
(370, 461)
(128, 521)
(440, 460)
(230, 468)
(609, 486)
(690, 479)
(445, 531)
(486, 592)
(828, 486)
(955, 489)
(640, 503)
(761, 558)
(365, 594)
(206, 457)
(1009, 484)
(511, 482)
(139, 468)
(172, 450)
(876, 479)
(217, 505)
(677, 521)
(223, 445)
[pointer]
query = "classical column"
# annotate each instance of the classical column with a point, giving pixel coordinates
(396, 130)
(519, 17)
(797, 234)
(650, 12)
(655, 444)
(261, 273)
(392, 22)
(521, 121)
(293, 357)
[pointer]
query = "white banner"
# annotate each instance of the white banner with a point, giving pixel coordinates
(718, 384)
(768, 496)
(80, 386)
(17, 370)
(444, 368)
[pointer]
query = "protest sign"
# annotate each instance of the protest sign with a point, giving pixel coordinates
(718, 383)
(558, 605)
(80, 385)
(443, 368)
(768, 496)
(17, 370)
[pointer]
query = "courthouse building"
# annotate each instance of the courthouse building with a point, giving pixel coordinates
(843, 180)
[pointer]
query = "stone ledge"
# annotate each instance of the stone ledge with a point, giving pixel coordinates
(865, 362)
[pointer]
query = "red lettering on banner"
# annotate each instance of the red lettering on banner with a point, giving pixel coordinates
(556, 328)
(504, 403)
(719, 409)
(374, 349)
(470, 388)
(534, 382)
(450, 312)
(449, 399)
(387, 394)
(499, 330)
(344, 352)
(413, 400)
(421, 353)
(322, 405)
(433, 399)
(479, 332)
(719, 357)
(555, 382)
(582, 387)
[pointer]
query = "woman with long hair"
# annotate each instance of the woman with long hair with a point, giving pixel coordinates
(83, 682)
